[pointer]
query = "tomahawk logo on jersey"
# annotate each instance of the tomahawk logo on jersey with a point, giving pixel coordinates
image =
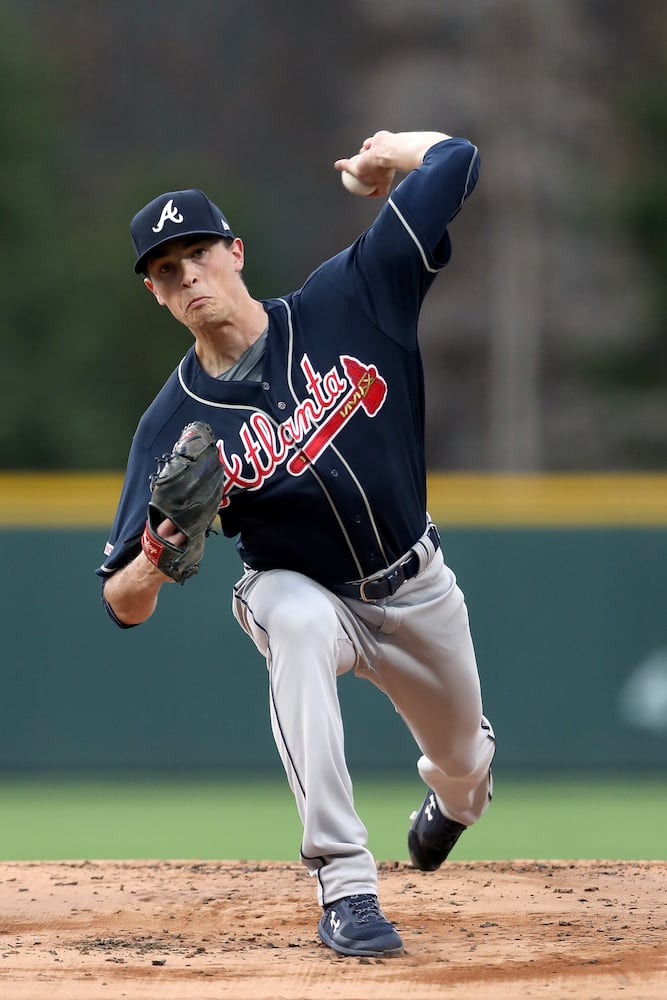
(342, 380)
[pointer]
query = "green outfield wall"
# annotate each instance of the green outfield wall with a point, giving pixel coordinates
(569, 616)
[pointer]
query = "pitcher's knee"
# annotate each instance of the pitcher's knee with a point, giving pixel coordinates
(460, 761)
(457, 765)
(304, 623)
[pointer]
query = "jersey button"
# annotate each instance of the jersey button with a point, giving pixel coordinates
(281, 405)
(334, 472)
(265, 385)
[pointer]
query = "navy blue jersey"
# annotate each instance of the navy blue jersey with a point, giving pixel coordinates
(324, 457)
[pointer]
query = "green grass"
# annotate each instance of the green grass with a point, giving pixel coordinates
(255, 819)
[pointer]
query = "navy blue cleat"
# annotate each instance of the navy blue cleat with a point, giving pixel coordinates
(432, 835)
(355, 925)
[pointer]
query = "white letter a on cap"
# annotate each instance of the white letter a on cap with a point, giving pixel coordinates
(169, 214)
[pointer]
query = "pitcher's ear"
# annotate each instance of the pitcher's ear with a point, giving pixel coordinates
(151, 288)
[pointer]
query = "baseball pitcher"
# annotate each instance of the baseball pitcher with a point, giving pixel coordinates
(297, 424)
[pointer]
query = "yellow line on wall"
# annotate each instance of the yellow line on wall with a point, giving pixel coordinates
(85, 500)
(58, 499)
(554, 499)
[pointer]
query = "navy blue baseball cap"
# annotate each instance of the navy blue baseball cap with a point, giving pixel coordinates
(172, 215)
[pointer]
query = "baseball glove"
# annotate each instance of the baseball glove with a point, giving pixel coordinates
(187, 489)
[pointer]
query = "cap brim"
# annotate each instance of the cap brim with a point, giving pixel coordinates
(140, 263)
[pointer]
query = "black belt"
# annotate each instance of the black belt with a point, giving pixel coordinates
(377, 588)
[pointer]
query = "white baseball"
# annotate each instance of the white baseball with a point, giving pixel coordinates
(354, 185)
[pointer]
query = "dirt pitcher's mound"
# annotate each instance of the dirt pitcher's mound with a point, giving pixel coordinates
(174, 930)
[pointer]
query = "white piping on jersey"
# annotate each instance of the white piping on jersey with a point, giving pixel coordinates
(411, 233)
(474, 156)
(335, 513)
(342, 460)
(365, 501)
(212, 402)
(413, 236)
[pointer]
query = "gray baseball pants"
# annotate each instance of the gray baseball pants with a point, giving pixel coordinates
(417, 648)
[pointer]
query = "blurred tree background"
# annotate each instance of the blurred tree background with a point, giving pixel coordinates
(545, 341)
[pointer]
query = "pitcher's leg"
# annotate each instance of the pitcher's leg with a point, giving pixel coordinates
(457, 741)
(429, 670)
(295, 625)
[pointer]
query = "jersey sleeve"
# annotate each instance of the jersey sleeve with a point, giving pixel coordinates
(430, 197)
(390, 268)
(125, 538)
(158, 428)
